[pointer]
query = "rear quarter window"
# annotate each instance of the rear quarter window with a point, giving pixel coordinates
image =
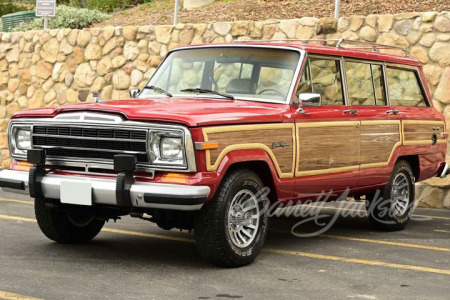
(404, 88)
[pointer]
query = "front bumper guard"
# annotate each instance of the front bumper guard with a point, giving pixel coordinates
(105, 191)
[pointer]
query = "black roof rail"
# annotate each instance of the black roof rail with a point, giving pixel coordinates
(338, 43)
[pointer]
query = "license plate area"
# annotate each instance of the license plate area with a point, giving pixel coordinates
(76, 192)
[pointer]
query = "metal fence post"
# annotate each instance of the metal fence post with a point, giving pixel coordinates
(177, 7)
(337, 8)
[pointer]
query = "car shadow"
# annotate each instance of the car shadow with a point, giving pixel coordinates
(123, 249)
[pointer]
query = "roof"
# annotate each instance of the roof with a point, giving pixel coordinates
(341, 51)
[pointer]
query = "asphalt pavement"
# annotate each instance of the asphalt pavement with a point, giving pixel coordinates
(134, 259)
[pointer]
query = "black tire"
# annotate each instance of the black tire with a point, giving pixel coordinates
(59, 227)
(211, 227)
(381, 205)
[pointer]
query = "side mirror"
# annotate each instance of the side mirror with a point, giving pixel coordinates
(134, 93)
(308, 100)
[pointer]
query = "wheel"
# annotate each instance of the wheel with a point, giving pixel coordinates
(77, 227)
(391, 210)
(230, 230)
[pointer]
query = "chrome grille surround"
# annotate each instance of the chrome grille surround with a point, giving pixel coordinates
(85, 139)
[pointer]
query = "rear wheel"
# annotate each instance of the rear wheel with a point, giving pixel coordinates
(231, 229)
(391, 210)
(78, 226)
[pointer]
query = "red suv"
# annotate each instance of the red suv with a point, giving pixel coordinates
(221, 132)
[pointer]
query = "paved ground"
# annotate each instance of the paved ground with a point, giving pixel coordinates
(134, 259)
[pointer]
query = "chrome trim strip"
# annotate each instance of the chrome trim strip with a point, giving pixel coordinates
(294, 79)
(89, 149)
(87, 138)
(104, 190)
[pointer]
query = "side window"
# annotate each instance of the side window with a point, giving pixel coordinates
(378, 83)
(404, 88)
(360, 85)
(365, 84)
(326, 80)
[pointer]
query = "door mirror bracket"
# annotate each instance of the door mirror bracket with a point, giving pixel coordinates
(308, 100)
(134, 93)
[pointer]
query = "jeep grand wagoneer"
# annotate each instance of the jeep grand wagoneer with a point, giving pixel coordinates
(222, 131)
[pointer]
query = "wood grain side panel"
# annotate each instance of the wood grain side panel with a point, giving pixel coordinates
(421, 132)
(284, 155)
(328, 149)
(378, 142)
(254, 137)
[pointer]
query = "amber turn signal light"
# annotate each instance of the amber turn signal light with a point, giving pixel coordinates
(206, 145)
(21, 166)
(175, 178)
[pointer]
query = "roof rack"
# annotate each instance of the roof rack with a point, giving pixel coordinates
(338, 43)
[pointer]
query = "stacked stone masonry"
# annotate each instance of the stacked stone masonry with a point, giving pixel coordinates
(55, 67)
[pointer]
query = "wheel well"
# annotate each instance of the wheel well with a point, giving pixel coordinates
(413, 161)
(263, 170)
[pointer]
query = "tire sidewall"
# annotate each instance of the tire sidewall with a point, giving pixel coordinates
(406, 170)
(248, 181)
(381, 210)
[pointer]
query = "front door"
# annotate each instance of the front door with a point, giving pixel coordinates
(328, 137)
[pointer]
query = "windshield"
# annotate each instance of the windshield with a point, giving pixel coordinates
(260, 74)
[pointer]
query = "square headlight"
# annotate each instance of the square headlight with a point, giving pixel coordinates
(19, 140)
(171, 148)
(167, 148)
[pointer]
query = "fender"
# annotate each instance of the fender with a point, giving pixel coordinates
(283, 187)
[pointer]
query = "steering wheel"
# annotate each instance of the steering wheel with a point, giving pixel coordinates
(272, 90)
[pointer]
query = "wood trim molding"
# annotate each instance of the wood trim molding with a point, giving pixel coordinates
(213, 166)
(417, 142)
(396, 145)
(262, 143)
(299, 173)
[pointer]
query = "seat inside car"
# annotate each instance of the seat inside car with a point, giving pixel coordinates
(241, 86)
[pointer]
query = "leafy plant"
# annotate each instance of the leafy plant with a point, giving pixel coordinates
(66, 17)
(9, 8)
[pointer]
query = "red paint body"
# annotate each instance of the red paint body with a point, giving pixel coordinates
(197, 113)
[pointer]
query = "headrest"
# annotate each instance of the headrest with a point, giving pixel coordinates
(240, 86)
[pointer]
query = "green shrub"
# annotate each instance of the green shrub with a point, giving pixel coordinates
(112, 5)
(1, 25)
(66, 17)
(9, 8)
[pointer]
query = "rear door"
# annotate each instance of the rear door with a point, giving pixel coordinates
(380, 123)
(328, 137)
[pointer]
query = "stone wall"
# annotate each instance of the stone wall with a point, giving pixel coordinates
(48, 68)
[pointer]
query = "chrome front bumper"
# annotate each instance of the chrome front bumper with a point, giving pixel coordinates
(143, 194)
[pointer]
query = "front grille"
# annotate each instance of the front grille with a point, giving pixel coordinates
(90, 143)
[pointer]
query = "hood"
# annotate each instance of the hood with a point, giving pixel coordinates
(191, 112)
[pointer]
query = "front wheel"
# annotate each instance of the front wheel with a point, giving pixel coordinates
(79, 226)
(391, 209)
(230, 230)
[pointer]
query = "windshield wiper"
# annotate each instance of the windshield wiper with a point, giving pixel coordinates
(158, 90)
(206, 91)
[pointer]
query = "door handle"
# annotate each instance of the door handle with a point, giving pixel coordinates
(392, 112)
(350, 111)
